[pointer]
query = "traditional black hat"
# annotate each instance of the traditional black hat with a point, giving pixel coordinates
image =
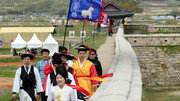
(28, 54)
(62, 48)
(68, 56)
(83, 48)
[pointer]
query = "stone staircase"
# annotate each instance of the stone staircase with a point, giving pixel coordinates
(126, 84)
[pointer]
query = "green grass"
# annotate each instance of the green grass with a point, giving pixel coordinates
(170, 49)
(88, 27)
(8, 71)
(4, 51)
(98, 42)
(162, 95)
(7, 97)
(7, 60)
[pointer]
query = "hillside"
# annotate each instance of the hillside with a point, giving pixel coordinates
(33, 6)
(52, 6)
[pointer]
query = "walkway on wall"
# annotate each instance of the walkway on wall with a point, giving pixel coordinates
(126, 84)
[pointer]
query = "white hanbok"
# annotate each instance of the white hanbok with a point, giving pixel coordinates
(23, 95)
(49, 85)
(64, 94)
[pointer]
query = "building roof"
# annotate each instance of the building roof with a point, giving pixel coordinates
(117, 11)
(26, 29)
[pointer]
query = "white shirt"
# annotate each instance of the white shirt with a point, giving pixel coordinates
(70, 63)
(67, 94)
(81, 64)
(18, 82)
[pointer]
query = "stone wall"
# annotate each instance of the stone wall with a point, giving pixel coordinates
(137, 28)
(164, 28)
(158, 66)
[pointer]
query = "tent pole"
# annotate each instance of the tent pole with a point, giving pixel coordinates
(65, 33)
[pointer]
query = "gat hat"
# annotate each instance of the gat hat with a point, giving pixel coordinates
(84, 48)
(68, 56)
(61, 48)
(28, 54)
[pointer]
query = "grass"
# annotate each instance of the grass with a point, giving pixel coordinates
(9, 60)
(8, 71)
(170, 49)
(88, 27)
(4, 51)
(98, 42)
(162, 95)
(7, 97)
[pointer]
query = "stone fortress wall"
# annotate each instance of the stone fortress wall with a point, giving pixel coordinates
(159, 58)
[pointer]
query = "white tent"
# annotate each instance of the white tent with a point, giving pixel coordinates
(51, 44)
(18, 43)
(34, 42)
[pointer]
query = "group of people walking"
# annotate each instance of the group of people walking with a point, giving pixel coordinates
(57, 78)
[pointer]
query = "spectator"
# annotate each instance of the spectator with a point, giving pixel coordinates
(40, 66)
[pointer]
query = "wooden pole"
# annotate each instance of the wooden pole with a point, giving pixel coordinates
(94, 34)
(65, 32)
(83, 34)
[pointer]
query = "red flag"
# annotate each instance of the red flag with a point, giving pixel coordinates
(105, 18)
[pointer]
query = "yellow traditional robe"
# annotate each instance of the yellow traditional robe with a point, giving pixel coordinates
(86, 75)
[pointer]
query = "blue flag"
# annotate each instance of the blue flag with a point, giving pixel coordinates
(85, 9)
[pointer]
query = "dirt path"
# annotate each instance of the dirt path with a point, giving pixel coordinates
(106, 53)
(9, 57)
(13, 64)
(6, 82)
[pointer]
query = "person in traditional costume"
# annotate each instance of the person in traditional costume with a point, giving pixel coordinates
(65, 57)
(27, 81)
(40, 66)
(61, 91)
(94, 59)
(85, 70)
(64, 49)
(51, 77)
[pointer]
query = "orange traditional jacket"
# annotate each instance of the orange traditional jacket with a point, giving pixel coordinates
(86, 75)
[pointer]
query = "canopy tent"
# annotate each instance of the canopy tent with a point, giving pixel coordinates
(18, 43)
(34, 42)
(51, 44)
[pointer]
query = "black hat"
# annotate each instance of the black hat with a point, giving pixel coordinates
(68, 56)
(62, 48)
(83, 48)
(28, 54)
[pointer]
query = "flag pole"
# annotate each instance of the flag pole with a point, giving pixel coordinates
(65, 33)
(94, 33)
(83, 33)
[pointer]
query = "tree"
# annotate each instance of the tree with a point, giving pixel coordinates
(131, 5)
